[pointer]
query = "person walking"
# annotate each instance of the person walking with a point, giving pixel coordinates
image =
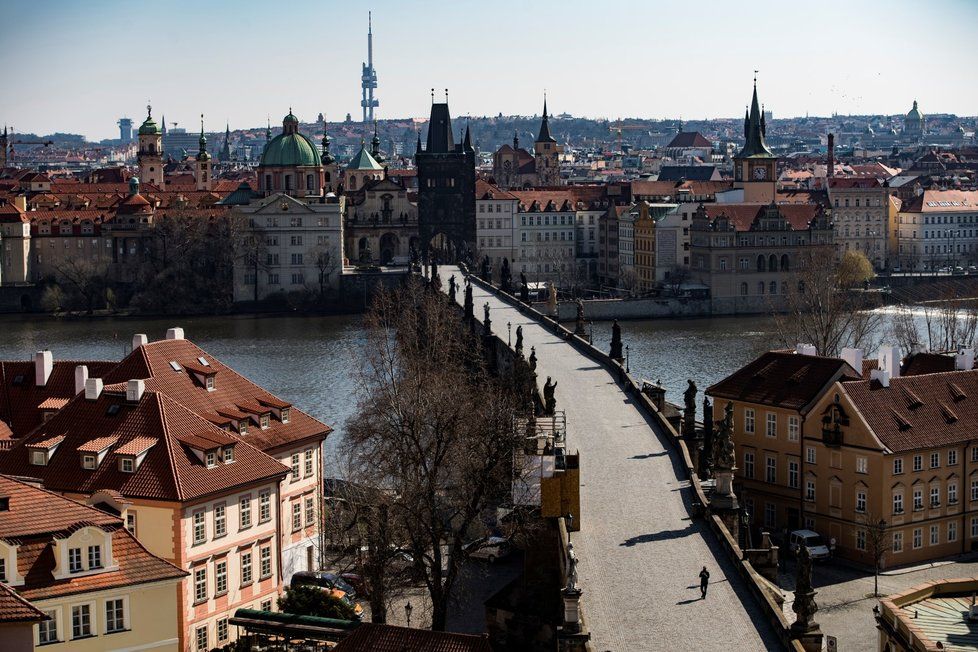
(704, 581)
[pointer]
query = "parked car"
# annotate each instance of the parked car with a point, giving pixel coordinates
(488, 548)
(958, 271)
(358, 582)
(808, 539)
(324, 580)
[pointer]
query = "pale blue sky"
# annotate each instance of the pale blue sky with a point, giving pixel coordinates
(78, 65)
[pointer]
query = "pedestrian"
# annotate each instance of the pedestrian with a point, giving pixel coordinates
(704, 581)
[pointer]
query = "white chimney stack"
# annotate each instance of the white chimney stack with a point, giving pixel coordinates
(805, 349)
(138, 340)
(175, 333)
(81, 377)
(964, 360)
(93, 389)
(889, 360)
(43, 365)
(134, 390)
(882, 376)
(854, 357)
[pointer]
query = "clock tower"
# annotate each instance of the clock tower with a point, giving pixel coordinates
(755, 166)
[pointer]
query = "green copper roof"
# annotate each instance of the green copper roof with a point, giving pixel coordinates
(915, 113)
(363, 161)
(288, 150)
(755, 145)
(149, 127)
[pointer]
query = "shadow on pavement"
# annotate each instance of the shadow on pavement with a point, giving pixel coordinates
(664, 535)
(648, 455)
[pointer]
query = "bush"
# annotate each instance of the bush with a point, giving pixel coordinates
(52, 299)
(313, 601)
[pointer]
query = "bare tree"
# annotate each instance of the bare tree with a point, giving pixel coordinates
(84, 281)
(877, 545)
(433, 432)
(818, 309)
(944, 324)
(326, 264)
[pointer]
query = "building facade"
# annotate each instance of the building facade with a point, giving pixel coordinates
(864, 219)
(938, 229)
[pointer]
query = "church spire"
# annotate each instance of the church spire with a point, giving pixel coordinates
(225, 154)
(326, 157)
(418, 147)
(516, 140)
(375, 146)
(754, 128)
(202, 154)
(545, 136)
(467, 141)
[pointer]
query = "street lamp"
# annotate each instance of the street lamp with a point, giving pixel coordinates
(627, 370)
(570, 524)
(407, 612)
(746, 518)
(509, 336)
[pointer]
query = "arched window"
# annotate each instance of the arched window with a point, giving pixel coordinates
(772, 263)
(310, 182)
(773, 289)
(760, 287)
(784, 262)
(353, 182)
(743, 289)
(760, 263)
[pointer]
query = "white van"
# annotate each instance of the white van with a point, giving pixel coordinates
(811, 540)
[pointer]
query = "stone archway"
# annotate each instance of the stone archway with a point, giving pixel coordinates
(390, 247)
(441, 249)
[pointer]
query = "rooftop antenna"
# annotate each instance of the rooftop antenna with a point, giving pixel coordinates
(446, 96)
(432, 95)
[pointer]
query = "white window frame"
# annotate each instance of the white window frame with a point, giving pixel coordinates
(47, 631)
(810, 455)
(199, 521)
(247, 568)
(771, 425)
(265, 562)
(244, 512)
(220, 577)
(120, 623)
(897, 466)
(90, 625)
(897, 545)
(220, 520)
(917, 541)
(200, 584)
(264, 506)
(794, 428)
(749, 421)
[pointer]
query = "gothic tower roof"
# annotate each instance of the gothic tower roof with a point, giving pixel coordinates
(755, 145)
(545, 136)
(440, 138)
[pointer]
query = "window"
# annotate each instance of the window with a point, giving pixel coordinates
(952, 492)
(285, 415)
(918, 499)
(246, 568)
(263, 421)
(898, 542)
(74, 560)
(220, 520)
(221, 577)
(266, 605)
(296, 516)
(202, 645)
(770, 515)
(771, 469)
(228, 454)
(860, 539)
(861, 501)
(918, 462)
(861, 465)
(127, 465)
(952, 457)
(918, 538)
(974, 454)
(810, 490)
(81, 621)
(88, 462)
(222, 630)
(200, 527)
(749, 420)
(39, 458)
(793, 428)
(771, 429)
(935, 535)
(295, 466)
(952, 531)
(200, 584)
(898, 503)
(264, 506)
(974, 489)
(131, 522)
(115, 616)
(244, 513)
(94, 557)
(810, 455)
(935, 496)
(266, 561)
(974, 527)
(48, 629)
(310, 510)
(898, 466)
(793, 474)
(307, 469)
(935, 460)
(748, 464)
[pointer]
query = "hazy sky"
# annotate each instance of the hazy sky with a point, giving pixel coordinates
(78, 65)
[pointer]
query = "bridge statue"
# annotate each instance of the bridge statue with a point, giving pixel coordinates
(533, 358)
(616, 352)
(805, 629)
(552, 299)
(486, 322)
(519, 341)
(550, 402)
(505, 277)
(579, 327)
(451, 288)
(689, 414)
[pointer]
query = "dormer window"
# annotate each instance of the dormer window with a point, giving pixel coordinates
(211, 458)
(210, 383)
(127, 464)
(94, 557)
(89, 462)
(243, 427)
(228, 454)
(264, 421)
(74, 560)
(285, 415)
(39, 458)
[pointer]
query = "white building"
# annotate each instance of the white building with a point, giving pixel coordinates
(296, 245)
(496, 230)
(626, 249)
(939, 228)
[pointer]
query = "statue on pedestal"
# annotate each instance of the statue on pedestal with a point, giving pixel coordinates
(469, 304)
(552, 299)
(486, 322)
(722, 457)
(804, 604)
(580, 326)
(689, 414)
(616, 351)
(550, 402)
(519, 341)
(451, 288)
(533, 358)
(486, 273)
(505, 280)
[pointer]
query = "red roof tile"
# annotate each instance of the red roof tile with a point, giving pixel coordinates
(372, 637)
(742, 216)
(14, 609)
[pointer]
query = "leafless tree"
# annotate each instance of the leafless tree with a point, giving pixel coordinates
(433, 433)
(326, 264)
(84, 281)
(877, 544)
(678, 275)
(817, 309)
(941, 325)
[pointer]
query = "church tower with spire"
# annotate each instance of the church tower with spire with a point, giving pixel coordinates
(3, 148)
(202, 165)
(755, 165)
(150, 153)
(225, 154)
(546, 153)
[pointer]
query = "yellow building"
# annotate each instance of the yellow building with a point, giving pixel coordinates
(98, 587)
(644, 235)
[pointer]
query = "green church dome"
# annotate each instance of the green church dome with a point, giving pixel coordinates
(149, 126)
(290, 148)
(914, 113)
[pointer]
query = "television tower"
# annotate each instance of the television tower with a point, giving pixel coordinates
(368, 80)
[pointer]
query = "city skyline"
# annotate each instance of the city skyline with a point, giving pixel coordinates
(206, 59)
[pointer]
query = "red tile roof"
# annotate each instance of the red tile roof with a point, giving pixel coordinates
(690, 139)
(779, 379)
(232, 390)
(372, 637)
(15, 609)
(742, 216)
(917, 412)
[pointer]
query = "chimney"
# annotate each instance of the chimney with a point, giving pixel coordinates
(175, 333)
(138, 340)
(134, 390)
(831, 170)
(854, 357)
(43, 365)
(93, 389)
(964, 360)
(805, 349)
(889, 360)
(882, 376)
(81, 377)
(20, 201)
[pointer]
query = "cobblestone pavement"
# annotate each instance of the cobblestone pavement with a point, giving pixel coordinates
(640, 553)
(845, 596)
